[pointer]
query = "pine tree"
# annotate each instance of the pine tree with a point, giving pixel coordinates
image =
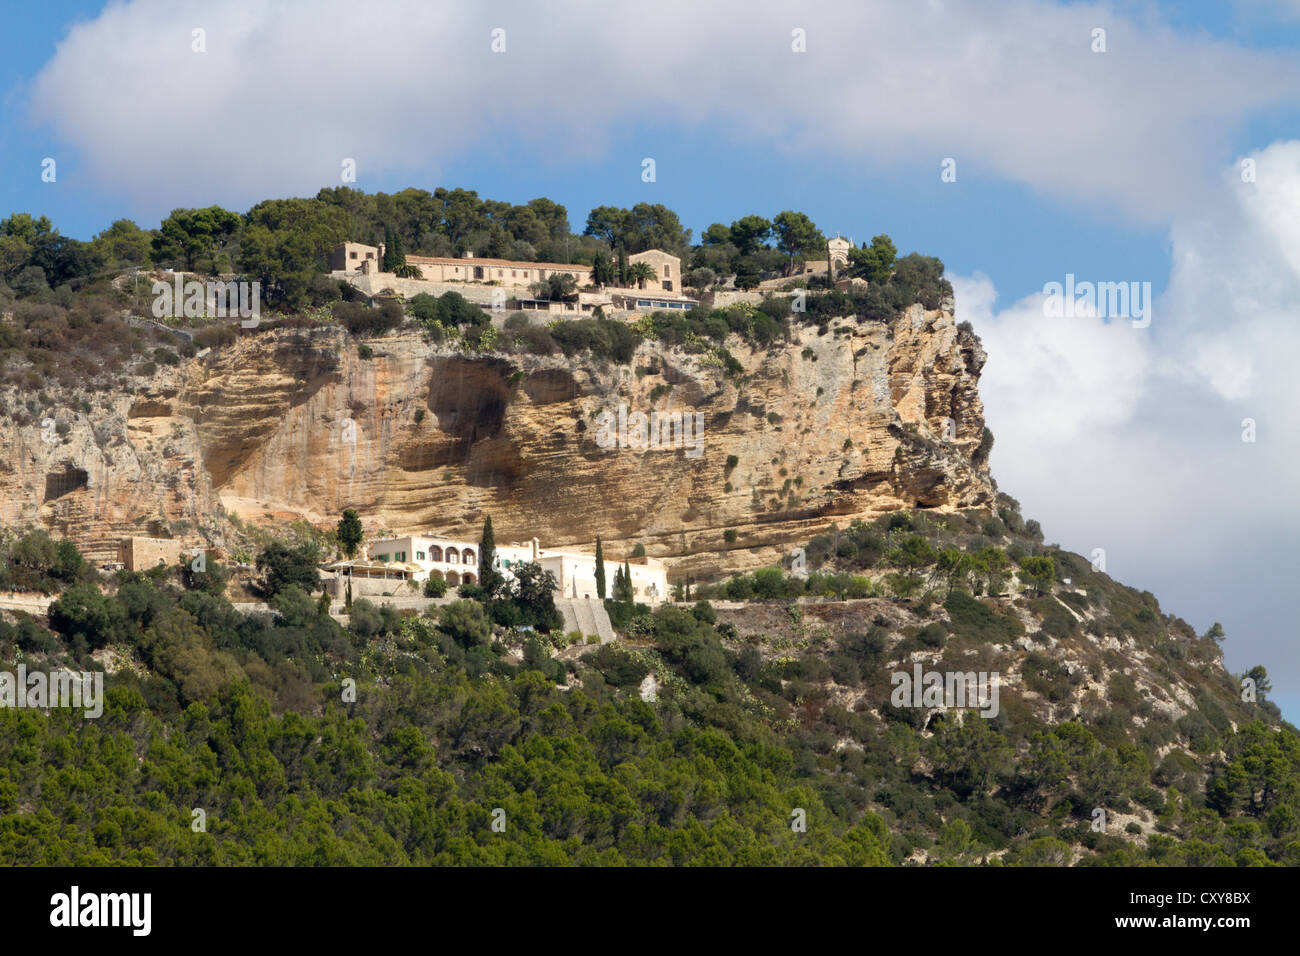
(600, 570)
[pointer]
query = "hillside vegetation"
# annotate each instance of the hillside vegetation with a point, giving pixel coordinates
(770, 737)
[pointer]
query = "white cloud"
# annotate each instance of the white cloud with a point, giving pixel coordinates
(1058, 376)
(1114, 437)
(286, 91)
(1131, 439)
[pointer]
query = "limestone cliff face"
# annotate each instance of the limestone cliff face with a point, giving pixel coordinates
(850, 423)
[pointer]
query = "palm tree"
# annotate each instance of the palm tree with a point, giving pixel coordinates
(641, 273)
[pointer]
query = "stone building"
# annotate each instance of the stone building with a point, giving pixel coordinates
(141, 554)
(354, 256)
(668, 270)
(476, 277)
(838, 249)
(505, 272)
(358, 258)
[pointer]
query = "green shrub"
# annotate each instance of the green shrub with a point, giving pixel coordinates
(972, 619)
(932, 636)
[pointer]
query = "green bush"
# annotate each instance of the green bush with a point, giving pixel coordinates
(465, 623)
(362, 320)
(972, 619)
(603, 338)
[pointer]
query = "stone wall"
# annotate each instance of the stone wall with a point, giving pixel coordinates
(370, 587)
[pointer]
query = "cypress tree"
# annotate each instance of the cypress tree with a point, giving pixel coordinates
(600, 570)
(394, 255)
(489, 578)
(627, 581)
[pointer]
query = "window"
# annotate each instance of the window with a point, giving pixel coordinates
(382, 557)
(419, 555)
(370, 255)
(668, 270)
(512, 274)
(501, 273)
(352, 255)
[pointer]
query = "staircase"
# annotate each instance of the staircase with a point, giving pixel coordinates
(586, 615)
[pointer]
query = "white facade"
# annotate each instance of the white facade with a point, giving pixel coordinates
(456, 562)
(575, 575)
(838, 249)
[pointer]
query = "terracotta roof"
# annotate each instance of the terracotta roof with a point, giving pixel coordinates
(494, 263)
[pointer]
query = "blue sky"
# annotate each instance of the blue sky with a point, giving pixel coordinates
(699, 178)
(1113, 166)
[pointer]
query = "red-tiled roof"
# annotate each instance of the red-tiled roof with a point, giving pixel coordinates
(494, 263)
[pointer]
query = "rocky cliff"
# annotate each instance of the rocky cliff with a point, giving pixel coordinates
(847, 422)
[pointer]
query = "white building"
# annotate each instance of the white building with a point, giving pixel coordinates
(456, 562)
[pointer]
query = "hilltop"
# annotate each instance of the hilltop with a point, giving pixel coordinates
(839, 530)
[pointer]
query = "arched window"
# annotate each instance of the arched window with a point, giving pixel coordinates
(435, 553)
(453, 556)
(467, 556)
(470, 579)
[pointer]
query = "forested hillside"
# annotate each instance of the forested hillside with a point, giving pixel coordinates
(769, 737)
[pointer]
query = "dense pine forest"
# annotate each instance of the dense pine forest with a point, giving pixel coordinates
(448, 738)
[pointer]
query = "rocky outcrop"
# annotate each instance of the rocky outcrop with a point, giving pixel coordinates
(844, 422)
